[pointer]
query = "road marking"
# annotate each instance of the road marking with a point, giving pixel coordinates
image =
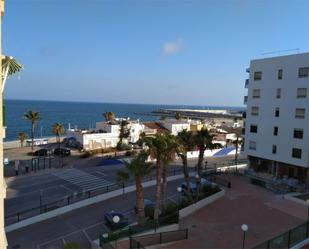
(82, 179)
(100, 173)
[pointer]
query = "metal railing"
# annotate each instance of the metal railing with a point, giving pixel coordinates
(288, 239)
(75, 197)
(140, 242)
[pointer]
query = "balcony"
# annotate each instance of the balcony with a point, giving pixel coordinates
(248, 70)
(245, 100)
(244, 115)
(246, 83)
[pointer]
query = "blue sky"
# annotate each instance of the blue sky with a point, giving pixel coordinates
(166, 52)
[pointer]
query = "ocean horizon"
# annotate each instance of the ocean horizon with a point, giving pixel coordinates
(78, 114)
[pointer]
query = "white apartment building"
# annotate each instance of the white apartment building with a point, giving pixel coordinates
(176, 126)
(277, 116)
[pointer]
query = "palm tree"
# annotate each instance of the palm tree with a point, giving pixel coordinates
(237, 142)
(109, 116)
(186, 143)
(33, 117)
(9, 67)
(138, 168)
(157, 146)
(203, 140)
(124, 131)
(168, 156)
(122, 177)
(22, 137)
(177, 116)
(57, 129)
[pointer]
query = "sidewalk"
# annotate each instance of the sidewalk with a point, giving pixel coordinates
(218, 225)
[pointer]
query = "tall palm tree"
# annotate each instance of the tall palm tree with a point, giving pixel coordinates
(9, 67)
(177, 116)
(237, 142)
(109, 116)
(186, 143)
(157, 146)
(203, 140)
(33, 117)
(138, 168)
(57, 129)
(168, 155)
(22, 137)
(124, 131)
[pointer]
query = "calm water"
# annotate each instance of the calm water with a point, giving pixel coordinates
(82, 115)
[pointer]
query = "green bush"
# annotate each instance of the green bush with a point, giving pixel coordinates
(71, 245)
(122, 146)
(170, 208)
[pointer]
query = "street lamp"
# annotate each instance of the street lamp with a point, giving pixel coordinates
(307, 201)
(41, 193)
(244, 228)
(179, 190)
(116, 219)
(197, 177)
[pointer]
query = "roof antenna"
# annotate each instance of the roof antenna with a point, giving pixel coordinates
(282, 51)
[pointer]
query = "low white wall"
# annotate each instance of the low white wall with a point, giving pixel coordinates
(80, 204)
(291, 197)
(200, 204)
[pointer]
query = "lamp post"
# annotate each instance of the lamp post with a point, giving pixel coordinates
(179, 189)
(41, 194)
(116, 219)
(244, 228)
(198, 179)
(307, 201)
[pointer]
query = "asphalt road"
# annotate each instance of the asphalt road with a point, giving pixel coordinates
(82, 225)
(26, 192)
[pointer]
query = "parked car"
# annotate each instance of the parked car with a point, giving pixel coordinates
(41, 152)
(192, 185)
(149, 206)
(109, 219)
(62, 152)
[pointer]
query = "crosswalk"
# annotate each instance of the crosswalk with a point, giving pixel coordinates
(82, 179)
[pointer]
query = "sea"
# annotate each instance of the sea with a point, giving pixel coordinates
(77, 114)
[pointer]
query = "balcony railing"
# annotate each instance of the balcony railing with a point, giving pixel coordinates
(246, 83)
(3, 116)
(245, 99)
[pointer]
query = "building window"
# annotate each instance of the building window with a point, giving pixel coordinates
(278, 93)
(303, 72)
(277, 112)
(298, 133)
(254, 111)
(300, 113)
(257, 75)
(296, 153)
(274, 149)
(280, 72)
(253, 128)
(252, 145)
(256, 94)
(301, 92)
(276, 131)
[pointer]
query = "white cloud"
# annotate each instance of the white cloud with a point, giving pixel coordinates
(172, 47)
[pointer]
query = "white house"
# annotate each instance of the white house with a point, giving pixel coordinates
(175, 126)
(105, 135)
(277, 116)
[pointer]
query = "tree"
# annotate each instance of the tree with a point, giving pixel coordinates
(57, 129)
(171, 147)
(203, 140)
(141, 139)
(109, 116)
(123, 177)
(139, 168)
(9, 67)
(124, 131)
(157, 145)
(186, 143)
(177, 116)
(33, 117)
(22, 137)
(237, 142)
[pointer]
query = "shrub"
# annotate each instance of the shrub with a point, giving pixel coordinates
(86, 154)
(71, 245)
(170, 208)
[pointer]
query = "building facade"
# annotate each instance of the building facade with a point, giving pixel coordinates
(3, 242)
(277, 116)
